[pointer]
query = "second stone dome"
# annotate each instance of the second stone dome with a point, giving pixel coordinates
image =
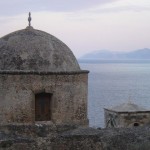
(35, 50)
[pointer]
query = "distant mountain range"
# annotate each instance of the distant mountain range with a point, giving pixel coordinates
(111, 55)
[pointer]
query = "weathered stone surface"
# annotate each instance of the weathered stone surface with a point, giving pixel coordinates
(34, 63)
(66, 137)
(105, 139)
(12, 141)
(68, 104)
(35, 50)
(126, 115)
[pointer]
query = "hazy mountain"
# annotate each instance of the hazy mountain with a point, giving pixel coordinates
(111, 55)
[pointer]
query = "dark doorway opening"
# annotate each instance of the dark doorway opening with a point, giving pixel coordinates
(136, 124)
(43, 107)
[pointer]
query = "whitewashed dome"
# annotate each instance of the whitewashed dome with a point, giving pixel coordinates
(34, 50)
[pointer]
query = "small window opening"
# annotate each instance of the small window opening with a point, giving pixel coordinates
(136, 124)
(43, 107)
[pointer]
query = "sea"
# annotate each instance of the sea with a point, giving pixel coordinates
(113, 82)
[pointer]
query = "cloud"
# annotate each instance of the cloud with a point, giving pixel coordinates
(122, 5)
(15, 7)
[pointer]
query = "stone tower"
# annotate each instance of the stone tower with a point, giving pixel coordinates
(40, 80)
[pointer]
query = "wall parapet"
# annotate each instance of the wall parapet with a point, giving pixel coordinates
(72, 138)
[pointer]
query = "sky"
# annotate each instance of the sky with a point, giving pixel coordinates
(84, 25)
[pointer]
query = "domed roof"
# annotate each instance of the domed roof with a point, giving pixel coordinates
(128, 107)
(35, 50)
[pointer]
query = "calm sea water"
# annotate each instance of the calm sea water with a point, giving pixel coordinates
(112, 83)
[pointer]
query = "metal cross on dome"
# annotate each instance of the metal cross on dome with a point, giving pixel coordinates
(29, 19)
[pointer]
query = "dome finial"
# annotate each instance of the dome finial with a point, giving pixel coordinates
(29, 19)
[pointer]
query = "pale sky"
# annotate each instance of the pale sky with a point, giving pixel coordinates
(84, 25)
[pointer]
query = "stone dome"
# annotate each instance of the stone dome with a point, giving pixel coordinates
(34, 50)
(128, 107)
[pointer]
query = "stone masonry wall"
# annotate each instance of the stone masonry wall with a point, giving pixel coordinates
(44, 137)
(69, 97)
(127, 119)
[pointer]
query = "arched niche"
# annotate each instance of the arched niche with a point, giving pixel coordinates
(136, 124)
